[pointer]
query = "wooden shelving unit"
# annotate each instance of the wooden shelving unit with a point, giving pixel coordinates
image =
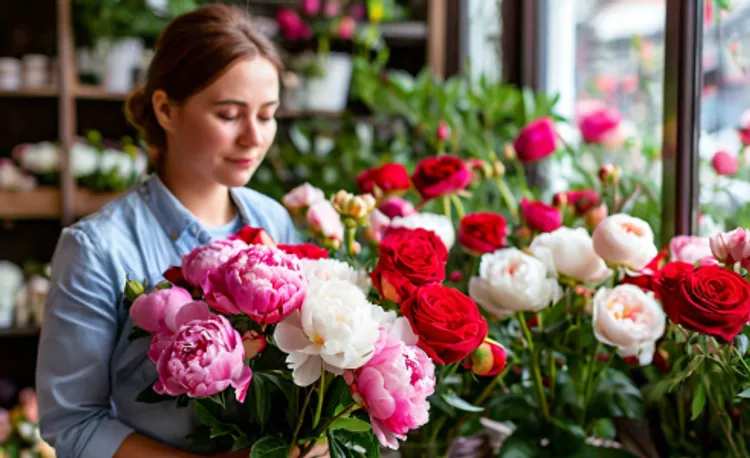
(31, 92)
(20, 332)
(46, 203)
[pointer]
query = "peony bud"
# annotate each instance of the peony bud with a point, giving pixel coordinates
(443, 131)
(725, 164)
(253, 343)
(609, 174)
(456, 276)
(498, 169)
(487, 360)
(560, 199)
(355, 207)
(509, 152)
(596, 215)
(133, 289)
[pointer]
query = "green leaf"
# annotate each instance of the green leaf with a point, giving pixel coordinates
(338, 394)
(455, 401)
(261, 400)
(204, 416)
(350, 424)
(699, 401)
(519, 447)
(604, 428)
(269, 447)
(616, 396)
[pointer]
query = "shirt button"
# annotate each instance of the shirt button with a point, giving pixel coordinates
(174, 235)
(194, 230)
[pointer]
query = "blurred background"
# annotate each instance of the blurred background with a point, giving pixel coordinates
(367, 81)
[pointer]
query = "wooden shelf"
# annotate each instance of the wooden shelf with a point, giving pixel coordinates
(46, 203)
(36, 92)
(19, 332)
(88, 92)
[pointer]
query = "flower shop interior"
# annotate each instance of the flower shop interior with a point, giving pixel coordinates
(584, 164)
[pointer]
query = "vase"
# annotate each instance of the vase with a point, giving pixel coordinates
(330, 91)
(122, 61)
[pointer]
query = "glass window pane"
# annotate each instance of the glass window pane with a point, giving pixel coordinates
(605, 60)
(484, 34)
(724, 188)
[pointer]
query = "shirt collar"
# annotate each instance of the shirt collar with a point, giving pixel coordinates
(169, 211)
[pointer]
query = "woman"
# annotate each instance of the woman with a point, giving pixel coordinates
(207, 113)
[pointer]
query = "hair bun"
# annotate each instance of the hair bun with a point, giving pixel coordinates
(137, 108)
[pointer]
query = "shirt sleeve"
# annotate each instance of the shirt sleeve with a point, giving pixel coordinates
(77, 341)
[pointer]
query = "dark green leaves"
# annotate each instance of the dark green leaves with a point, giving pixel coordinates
(270, 447)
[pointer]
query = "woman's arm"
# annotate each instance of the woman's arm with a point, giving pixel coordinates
(138, 446)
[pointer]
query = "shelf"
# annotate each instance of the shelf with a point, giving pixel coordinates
(35, 92)
(408, 30)
(88, 92)
(46, 203)
(19, 332)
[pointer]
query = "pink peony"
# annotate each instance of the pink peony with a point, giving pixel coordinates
(690, 249)
(393, 387)
(536, 140)
(598, 122)
(292, 26)
(199, 263)
(302, 197)
(397, 206)
(311, 7)
(262, 282)
(725, 163)
(732, 247)
(155, 311)
(323, 219)
(202, 359)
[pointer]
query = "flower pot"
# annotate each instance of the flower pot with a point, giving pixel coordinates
(123, 58)
(330, 91)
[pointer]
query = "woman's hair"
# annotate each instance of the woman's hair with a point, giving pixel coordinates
(191, 53)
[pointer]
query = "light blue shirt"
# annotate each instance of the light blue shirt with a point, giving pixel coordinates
(88, 373)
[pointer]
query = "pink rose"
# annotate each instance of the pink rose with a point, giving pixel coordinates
(689, 249)
(536, 141)
(396, 206)
(540, 216)
(346, 28)
(311, 7)
(732, 247)
(302, 197)
(199, 263)
(202, 359)
(156, 311)
(598, 123)
(393, 387)
(725, 164)
(324, 220)
(744, 130)
(262, 282)
(292, 26)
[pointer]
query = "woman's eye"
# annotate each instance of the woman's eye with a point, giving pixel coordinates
(227, 117)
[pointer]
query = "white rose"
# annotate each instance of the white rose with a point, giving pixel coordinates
(570, 252)
(625, 240)
(439, 224)
(85, 160)
(302, 196)
(630, 319)
(512, 281)
(317, 270)
(335, 327)
(40, 158)
(113, 159)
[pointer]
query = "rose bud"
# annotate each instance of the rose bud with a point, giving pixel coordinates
(609, 174)
(487, 360)
(443, 131)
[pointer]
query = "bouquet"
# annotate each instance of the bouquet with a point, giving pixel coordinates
(19, 430)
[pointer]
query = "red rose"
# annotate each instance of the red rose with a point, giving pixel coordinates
(666, 283)
(540, 216)
(536, 141)
(447, 322)
(645, 277)
(253, 236)
(714, 301)
(305, 251)
(438, 176)
(388, 177)
(409, 258)
(482, 233)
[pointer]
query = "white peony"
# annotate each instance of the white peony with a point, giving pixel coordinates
(512, 281)
(84, 159)
(625, 240)
(317, 270)
(439, 224)
(336, 326)
(120, 161)
(570, 252)
(40, 158)
(630, 319)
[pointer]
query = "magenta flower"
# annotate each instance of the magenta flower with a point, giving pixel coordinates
(393, 387)
(262, 282)
(155, 311)
(202, 359)
(199, 263)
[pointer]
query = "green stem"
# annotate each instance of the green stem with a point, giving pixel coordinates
(301, 417)
(447, 207)
(459, 206)
(351, 233)
(587, 385)
(720, 412)
(349, 409)
(508, 197)
(534, 366)
(491, 386)
(552, 374)
(321, 397)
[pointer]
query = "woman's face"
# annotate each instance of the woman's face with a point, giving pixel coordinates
(222, 133)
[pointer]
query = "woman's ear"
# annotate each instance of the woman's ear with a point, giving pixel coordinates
(163, 110)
